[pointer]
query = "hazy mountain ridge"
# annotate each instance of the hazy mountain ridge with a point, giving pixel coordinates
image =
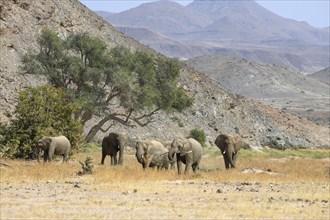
(215, 109)
(322, 76)
(237, 26)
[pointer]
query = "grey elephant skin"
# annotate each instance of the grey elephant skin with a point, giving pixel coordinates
(229, 146)
(152, 154)
(188, 151)
(59, 145)
(113, 143)
(167, 145)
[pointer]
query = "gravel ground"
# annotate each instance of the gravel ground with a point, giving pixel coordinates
(179, 199)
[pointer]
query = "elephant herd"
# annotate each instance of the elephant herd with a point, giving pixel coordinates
(166, 155)
(152, 153)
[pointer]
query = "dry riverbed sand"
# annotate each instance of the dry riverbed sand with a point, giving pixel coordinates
(129, 193)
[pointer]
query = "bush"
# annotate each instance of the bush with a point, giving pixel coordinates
(41, 111)
(198, 135)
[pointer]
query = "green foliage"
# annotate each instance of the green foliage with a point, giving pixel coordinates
(198, 135)
(211, 151)
(176, 119)
(41, 111)
(104, 82)
(89, 147)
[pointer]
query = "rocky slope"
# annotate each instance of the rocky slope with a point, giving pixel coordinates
(215, 110)
(277, 86)
(322, 75)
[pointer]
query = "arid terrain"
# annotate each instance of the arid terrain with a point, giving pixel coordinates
(266, 185)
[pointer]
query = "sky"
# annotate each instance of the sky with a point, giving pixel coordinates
(314, 12)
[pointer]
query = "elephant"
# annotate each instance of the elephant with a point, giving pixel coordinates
(152, 154)
(188, 151)
(167, 145)
(229, 146)
(59, 145)
(113, 143)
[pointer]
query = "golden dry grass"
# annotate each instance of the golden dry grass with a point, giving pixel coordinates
(295, 188)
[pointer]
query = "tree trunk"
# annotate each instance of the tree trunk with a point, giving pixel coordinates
(93, 131)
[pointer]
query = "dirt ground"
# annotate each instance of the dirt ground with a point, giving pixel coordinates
(130, 193)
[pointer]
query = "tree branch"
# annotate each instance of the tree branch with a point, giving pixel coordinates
(147, 117)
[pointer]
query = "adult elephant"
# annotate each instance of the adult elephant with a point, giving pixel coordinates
(59, 145)
(188, 151)
(229, 146)
(113, 143)
(152, 154)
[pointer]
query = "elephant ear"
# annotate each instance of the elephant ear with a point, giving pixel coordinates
(122, 138)
(185, 148)
(48, 140)
(44, 143)
(222, 143)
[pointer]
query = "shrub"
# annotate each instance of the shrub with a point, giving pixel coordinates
(40, 111)
(198, 135)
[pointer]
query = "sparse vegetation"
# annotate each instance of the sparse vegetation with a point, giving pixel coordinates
(288, 183)
(176, 119)
(116, 85)
(198, 135)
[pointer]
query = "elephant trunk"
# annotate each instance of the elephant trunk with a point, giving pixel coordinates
(121, 155)
(139, 157)
(171, 153)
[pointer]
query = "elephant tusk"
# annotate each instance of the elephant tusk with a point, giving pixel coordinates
(184, 153)
(224, 152)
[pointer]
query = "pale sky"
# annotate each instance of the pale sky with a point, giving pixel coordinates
(314, 12)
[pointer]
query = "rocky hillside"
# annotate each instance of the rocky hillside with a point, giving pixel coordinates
(322, 75)
(277, 86)
(215, 110)
(241, 28)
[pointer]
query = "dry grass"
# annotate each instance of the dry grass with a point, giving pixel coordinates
(295, 188)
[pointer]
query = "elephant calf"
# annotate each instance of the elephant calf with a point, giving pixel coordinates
(152, 154)
(188, 151)
(59, 145)
(229, 145)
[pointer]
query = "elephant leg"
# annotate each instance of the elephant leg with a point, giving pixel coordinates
(188, 165)
(51, 151)
(233, 161)
(102, 159)
(65, 157)
(115, 160)
(173, 165)
(179, 165)
(121, 156)
(226, 159)
(189, 162)
(45, 155)
(194, 167)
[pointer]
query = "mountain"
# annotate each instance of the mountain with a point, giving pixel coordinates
(243, 28)
(322, 76)
(215, 109)
(247, 18)
(165, 17)
(277, 86)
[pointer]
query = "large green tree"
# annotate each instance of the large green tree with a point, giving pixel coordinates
(115, 85)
